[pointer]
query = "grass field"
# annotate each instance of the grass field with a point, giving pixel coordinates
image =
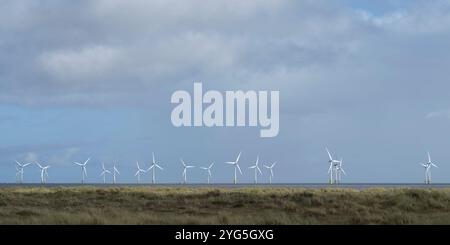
(171, 205)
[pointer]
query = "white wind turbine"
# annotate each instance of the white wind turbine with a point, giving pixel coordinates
(257, 169)
(104, 172)
(152, 167)
(83, 169)
(340, 171)
(44, 173)
(115, 170)
(185, 166)
(236, 167)
(19, 171)
(271, 171)
(333, 166)
(138, 172)
(427, 167)
(209, 170)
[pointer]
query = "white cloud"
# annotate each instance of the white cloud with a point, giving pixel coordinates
(439, 114)
(84, 65)
(426, 18)
(65, 158)
(29, 157)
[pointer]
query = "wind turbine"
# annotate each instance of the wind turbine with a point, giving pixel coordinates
(19, 171)
(44, 173)
(427, 167)
(271, 171)
(152, 167)
(236, 166)
(114, 173)
(209, 170)
(257, 169)
(83, 169)
(104, 172)
(340, 171)
(138, 173)
(185, 169)
(333, 166)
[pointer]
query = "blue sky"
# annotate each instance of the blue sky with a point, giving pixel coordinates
(368, 79)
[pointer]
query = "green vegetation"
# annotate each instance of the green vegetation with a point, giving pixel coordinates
(171, 205)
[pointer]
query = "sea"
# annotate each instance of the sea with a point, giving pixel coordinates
(243, 185)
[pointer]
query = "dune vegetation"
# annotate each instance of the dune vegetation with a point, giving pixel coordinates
(177, 205)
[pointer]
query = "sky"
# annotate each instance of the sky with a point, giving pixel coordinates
(367, 79)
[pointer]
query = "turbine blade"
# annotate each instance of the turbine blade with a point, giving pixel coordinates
(329, 154)
(182, 162)
(210, 166)
(429, 157)
(273, 165)
(87, 161)
(239, 156)
(252, 166)
(153, 155)
(237, 165)
(159, 166)
(85, 171)
(259, 170)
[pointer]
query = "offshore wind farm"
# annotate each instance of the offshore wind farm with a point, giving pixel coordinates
(335, 171)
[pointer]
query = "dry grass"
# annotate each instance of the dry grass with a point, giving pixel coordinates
(170, 205)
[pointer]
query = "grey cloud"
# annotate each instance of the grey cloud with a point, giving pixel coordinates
(107, 47)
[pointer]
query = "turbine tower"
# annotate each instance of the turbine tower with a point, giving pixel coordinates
(185, 166)
(271, 171)
(257, 169)
(152, 167)
(138, 173)
(333, 166)
(19, 171)
(427, 167)
(114, 173)
(44, 173)
(236, 167)
(104, 172)
(209, 170)
(83, 169)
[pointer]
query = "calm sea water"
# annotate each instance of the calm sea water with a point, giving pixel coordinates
(225, 185)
